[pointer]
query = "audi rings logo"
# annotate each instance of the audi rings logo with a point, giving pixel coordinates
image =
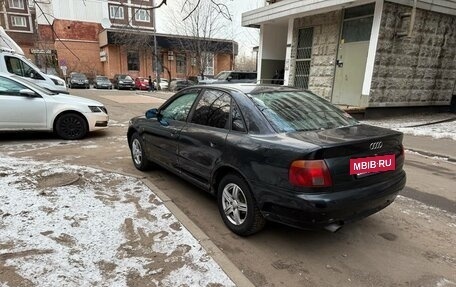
(376, 145)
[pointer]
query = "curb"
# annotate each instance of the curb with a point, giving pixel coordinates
(432, 154)
(231, 270)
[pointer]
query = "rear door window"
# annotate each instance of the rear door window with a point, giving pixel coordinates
(213, 109)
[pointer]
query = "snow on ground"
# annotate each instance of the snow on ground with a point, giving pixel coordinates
(406, 124)
(63, 225)
(33, 146)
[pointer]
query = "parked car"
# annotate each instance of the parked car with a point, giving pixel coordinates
(78, 80)
(27, 106)
(271, 152)
(164, 84)
(179, 84)
(199, 79)
(102, 82)
(141, 83)
(122, 81)
(231, 77)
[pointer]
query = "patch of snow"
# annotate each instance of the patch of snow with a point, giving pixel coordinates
(19, 147)
(404, 123)
(89, 146)
(114, 123)
(67, 234)
(445, 282)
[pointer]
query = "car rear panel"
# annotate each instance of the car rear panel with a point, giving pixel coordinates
(340, 145)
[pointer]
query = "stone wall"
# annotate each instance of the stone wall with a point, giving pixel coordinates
(324, 51)
(420, 70)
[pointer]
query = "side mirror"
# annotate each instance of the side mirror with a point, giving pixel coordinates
(28, 93)
(229, 78)
(152, 113)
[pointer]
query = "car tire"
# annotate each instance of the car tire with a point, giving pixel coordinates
(71, 126)
(238, 207)
(138, 155)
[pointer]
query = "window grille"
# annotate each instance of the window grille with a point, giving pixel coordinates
(303, 58)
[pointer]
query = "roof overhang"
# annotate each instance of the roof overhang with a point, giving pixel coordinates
(286, 9)
(293, 9)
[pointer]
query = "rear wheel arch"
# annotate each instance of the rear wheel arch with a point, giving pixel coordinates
(221, 172)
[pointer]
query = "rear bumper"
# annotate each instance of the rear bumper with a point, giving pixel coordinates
(310, 211)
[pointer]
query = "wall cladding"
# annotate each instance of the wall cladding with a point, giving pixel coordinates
(420, 70)
(324, 51)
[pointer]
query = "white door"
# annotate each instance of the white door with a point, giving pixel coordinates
(352, 55)
(20, 112)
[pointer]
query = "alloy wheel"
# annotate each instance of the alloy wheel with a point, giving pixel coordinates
(136, 150)
(234, 204)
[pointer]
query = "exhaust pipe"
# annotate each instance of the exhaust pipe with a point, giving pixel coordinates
(333, 227)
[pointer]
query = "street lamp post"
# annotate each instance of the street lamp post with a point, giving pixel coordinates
(157, 72)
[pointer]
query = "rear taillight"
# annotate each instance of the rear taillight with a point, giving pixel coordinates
(310, 173)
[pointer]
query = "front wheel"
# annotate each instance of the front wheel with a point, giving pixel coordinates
(238, 207)
(71, 126)
(138, 154)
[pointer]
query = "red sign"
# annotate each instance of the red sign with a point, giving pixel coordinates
(372, 164)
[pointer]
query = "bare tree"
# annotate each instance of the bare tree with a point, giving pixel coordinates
(245, 63)
(202, 22)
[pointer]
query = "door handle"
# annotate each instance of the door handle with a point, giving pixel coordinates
(174, 134)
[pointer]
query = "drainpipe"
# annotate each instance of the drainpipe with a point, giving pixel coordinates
(157, 72)
(412, 18)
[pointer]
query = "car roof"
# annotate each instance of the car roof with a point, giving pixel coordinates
(250, 88)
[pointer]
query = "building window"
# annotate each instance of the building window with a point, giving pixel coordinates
(142, 15)
(17, 4)
(181, 64)
(116, 12)
(18, 21)
(133, 61)
(207, 60)
(304, 57)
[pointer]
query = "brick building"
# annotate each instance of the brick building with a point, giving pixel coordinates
(17, 17)
(365, 53)
(81, 35)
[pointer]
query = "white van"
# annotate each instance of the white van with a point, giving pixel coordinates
(13, 61)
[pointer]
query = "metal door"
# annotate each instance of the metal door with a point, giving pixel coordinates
(352, 55)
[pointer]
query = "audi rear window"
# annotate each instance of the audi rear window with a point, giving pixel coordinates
(300, 111)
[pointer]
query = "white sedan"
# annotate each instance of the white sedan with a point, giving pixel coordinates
(26, 106)
(163, 84)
